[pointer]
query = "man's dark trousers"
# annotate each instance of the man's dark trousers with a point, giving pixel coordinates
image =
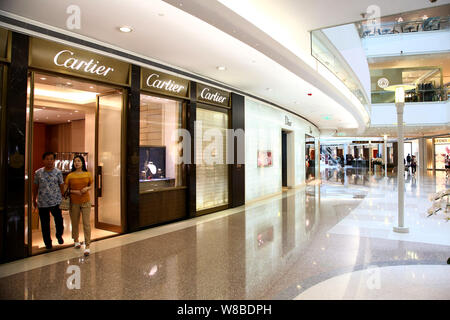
(44, 215)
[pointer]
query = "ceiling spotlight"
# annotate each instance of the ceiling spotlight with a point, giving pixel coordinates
(221, 68)
(91, 87)
(69, 83)
(76, 110)
(43, 78)
(125, 29)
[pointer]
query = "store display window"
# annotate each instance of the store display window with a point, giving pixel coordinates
(441, 151)
(160, 150)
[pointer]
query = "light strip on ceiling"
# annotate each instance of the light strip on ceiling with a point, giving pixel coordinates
(72, 97)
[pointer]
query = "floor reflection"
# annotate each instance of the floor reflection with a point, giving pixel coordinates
(273, 249)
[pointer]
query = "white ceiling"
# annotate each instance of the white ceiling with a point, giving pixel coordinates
(166, 34)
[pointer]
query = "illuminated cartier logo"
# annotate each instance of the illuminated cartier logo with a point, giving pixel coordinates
(216, 97)
(153, 81)
(64, 59)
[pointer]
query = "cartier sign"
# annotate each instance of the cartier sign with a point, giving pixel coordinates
(160, 82)
(61, 58)
(213, 96)
(66, 59)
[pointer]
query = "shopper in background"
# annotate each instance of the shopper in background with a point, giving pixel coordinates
(413, 165)
(447, 165)
(79, 182)
(48, 188)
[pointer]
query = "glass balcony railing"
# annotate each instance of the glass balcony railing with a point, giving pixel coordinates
(430, 24)
(430, 95)
(326, 53)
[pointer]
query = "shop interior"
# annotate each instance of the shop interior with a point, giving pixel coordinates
(159, 149)
(64, 121)
(310, 156)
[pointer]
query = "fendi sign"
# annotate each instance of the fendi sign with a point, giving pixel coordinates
(213, 96)
(160, 82)
(64, 59)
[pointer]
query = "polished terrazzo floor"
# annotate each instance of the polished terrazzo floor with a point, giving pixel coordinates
(331, 240)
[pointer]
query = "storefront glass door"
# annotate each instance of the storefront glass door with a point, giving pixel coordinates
(108, 169)
(71, 117)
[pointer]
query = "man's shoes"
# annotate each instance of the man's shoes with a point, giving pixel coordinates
(49, 246)
(77, 245)
(87, 251)
(60, 240)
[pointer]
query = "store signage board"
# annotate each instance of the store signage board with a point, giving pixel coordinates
(441, 140)
(163, 83)
(57, 57)
(213, 96)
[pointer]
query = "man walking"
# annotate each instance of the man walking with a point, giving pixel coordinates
(48, 188)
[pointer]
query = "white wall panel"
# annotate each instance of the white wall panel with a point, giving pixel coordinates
(263, 125)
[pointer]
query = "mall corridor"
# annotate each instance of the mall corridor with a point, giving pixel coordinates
(327, 240)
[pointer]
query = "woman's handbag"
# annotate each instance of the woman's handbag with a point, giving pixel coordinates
(65, 203)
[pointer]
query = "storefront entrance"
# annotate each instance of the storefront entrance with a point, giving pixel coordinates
(71, 117)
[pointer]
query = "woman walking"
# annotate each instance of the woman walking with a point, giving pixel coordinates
(79, 182)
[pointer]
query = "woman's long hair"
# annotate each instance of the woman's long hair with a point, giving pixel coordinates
(83, 163)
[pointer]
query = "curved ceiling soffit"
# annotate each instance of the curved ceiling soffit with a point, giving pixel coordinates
(226, 20)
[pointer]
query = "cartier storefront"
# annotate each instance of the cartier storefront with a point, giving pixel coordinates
(134, 125)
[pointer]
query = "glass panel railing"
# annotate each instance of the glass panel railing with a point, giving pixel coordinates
(325, 52)
(367, 29)
(432, 95)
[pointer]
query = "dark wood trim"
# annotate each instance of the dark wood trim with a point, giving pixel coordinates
(109, 227)
(132, 150)
(3, 93)
(211, 210)
(237, 190)
(16, 102)
(213, 108)
(191, 181)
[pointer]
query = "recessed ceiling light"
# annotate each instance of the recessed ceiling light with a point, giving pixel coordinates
(221, 68)
(69, 83)
(76, 110)
(91, 87)
(43, 78)
(125, 29)
(68, 120)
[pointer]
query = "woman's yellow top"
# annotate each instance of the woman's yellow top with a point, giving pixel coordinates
(77, 181)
